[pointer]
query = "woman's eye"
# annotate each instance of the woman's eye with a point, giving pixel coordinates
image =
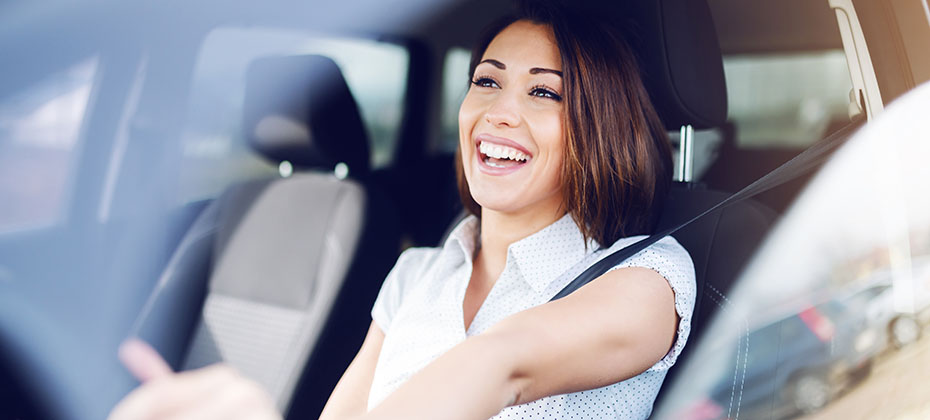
(485, 82)
(542, 92)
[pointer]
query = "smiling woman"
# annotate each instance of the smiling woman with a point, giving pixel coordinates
(561, 159)
(614, 171)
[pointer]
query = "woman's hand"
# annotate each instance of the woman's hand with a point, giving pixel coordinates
(213, 392)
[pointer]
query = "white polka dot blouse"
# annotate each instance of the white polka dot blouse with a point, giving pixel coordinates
(419, 309)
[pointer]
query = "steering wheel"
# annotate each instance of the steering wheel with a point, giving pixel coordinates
(48, 372)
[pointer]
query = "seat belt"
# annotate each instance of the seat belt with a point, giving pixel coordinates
(799, 165)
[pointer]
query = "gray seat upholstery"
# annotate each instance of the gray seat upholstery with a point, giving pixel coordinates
(277, 276)
(282, 252)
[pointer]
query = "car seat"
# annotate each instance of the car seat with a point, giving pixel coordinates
(276, 276)
(676, 44)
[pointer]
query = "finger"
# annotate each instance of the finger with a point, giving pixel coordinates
(241, 399)
(142, 360)
(174, 393)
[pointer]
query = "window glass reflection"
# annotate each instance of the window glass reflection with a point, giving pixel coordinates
(39, 131)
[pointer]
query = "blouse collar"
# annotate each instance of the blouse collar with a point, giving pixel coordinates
(540, 257)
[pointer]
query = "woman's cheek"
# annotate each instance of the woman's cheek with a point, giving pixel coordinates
(550, 134)
(467, 122)
(470, 113)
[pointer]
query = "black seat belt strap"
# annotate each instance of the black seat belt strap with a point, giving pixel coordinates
(799, 165)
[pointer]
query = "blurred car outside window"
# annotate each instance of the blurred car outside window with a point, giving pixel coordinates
(214, 151)
(40, 128)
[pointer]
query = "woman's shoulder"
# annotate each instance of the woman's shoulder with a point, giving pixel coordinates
(667, 257)
(410, 266)
(414, 260)
(667, 247)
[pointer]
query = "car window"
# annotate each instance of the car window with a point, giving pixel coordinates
(786, 100)
(214, 152)
(776, 101)
(454, 87)
(40, 127)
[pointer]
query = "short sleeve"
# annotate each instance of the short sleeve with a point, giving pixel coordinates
(397, 284)
(668, 258)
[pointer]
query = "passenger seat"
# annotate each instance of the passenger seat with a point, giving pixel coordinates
(277, 276)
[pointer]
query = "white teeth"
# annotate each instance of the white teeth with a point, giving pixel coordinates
(501, 152)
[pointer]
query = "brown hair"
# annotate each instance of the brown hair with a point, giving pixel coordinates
(617, 167)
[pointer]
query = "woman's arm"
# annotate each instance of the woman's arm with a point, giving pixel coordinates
(612, 329)
(350, 398)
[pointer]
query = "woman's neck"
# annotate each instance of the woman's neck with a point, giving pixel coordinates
(499, 230)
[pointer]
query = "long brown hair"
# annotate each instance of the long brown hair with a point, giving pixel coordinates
(617, 167)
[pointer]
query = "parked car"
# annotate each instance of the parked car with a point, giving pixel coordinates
(799, 362)
(900, 318)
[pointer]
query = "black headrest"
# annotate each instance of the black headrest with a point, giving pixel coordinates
(300, 109)
(676, 44)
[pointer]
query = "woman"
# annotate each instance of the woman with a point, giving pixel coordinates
(560, 151)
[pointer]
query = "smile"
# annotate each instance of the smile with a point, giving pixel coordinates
(500, 156)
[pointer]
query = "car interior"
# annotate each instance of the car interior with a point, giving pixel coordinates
(231, 182)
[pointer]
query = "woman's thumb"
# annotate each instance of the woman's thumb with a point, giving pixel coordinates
(142, 360)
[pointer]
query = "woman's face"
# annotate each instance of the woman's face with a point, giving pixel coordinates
(510, 123)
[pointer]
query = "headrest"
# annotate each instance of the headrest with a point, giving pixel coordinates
(676, 44)
(300, 109)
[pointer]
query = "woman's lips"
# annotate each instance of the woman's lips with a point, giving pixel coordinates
(485, 163)
(501, 141)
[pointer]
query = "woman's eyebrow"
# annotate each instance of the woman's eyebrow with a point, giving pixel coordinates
(537, 70)
(494, 63)
(534, 70)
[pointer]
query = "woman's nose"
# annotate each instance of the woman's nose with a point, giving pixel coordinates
(503, 112)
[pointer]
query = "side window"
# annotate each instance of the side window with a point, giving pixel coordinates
(454, 87)
(780, 101)
(786, 100)
(214, 151)
(39, 138)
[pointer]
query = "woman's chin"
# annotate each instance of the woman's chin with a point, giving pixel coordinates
(509, 204)
(497, 204)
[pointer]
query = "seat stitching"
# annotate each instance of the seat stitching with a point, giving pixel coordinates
(736, 365)
(745, 356)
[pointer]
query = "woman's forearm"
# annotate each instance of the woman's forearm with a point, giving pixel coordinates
(350, 397)
(474, 380)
